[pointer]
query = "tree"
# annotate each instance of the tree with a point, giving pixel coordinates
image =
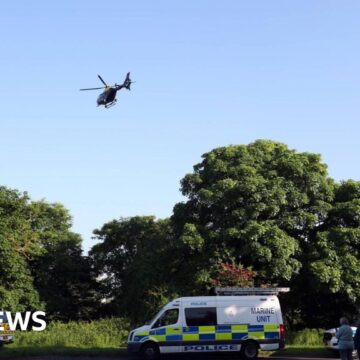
(133, 260)
(262, 205)
(256, 205)
(332, 263)
(18, 244)
(63, 277)
(41, 260)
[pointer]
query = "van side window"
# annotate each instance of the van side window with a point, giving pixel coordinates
(200, 316)
(169, 317)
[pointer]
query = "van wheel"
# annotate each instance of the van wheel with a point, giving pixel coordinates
(249, 350)
(150, 351)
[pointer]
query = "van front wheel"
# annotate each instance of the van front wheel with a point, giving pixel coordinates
(150, 351)
(249, 350)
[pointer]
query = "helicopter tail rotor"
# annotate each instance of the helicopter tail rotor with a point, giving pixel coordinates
(127, 83)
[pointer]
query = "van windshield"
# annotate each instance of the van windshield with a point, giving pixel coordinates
(3, 318)
(153, 318)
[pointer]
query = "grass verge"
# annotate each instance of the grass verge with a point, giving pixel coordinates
(107, 338)
(8, 353)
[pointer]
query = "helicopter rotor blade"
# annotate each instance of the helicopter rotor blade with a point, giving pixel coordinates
(102, 80)
(97, 88)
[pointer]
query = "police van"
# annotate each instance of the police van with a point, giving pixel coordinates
(239, 320)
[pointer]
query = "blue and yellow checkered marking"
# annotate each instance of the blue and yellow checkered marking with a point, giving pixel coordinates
(223, 328)
(271, 335)
(190, 330)
(211, 332)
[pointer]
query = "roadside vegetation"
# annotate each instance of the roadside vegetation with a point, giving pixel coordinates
(307, 338)
(108, 337)
(105, 336)
(265, 214)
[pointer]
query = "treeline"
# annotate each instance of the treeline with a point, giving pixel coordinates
(257, 214)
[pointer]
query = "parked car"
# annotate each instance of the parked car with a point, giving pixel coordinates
(330, 340)
(6, 336)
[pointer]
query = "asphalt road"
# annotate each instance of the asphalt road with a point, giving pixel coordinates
(171, 357)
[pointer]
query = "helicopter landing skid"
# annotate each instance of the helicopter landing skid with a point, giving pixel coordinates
(109, 105)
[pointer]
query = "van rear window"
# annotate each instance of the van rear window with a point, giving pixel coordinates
(200, 316)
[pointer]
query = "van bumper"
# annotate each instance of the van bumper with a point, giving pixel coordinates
(6, 342)
(133, 347)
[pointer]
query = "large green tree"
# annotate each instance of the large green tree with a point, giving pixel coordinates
(262, 207)
(18, 244)
(256, 205)
(331, 263)
(134, 263)
(63, 277)
(41, 260)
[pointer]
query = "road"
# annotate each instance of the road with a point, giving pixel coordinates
(171, 357)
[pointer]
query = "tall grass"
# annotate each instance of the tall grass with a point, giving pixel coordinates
(112, 333)
(108, 336)
(104, 333)
(310, 338)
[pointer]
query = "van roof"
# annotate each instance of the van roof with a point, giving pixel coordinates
(230, 290)
(226, 298)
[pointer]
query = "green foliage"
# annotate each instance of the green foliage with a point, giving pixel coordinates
(305, 338)
(255, 204)
(191, 238)
(41, 260)
(331, 262)
(104, 333)
(336, 252)
(261, 205)
(18, 243)
(134, 263)
(62, 276)
(269, 208)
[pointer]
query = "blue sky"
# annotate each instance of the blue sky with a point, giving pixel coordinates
(208, 74)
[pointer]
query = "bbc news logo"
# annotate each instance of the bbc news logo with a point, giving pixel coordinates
(22, 321)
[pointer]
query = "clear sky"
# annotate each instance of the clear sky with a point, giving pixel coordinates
(208, 74)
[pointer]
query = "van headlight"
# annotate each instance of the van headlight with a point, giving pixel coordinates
(131, 335)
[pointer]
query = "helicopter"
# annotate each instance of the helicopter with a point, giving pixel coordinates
(108, 96)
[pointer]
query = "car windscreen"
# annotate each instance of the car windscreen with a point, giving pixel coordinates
(3, 318)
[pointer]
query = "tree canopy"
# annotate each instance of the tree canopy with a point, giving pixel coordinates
(262, 207)
(134, 260)
(18, 243)
(41, 260)
(257, 214)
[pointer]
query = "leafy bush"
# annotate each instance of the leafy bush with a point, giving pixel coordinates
(305, 338)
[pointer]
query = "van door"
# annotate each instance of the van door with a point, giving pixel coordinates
(199, 332)
(167, 331)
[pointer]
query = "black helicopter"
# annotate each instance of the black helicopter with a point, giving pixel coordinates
(108, 96)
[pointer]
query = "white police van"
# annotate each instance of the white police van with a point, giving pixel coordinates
(239, 320)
